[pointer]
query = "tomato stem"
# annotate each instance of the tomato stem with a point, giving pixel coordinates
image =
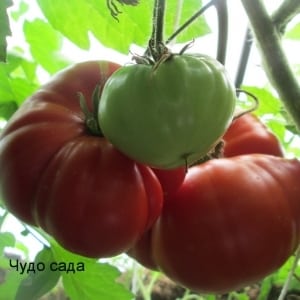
(156, 47)
(91, 119)
(190, 20)
(222, 12)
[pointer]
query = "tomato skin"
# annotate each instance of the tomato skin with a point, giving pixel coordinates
(231, 223)
(76, 186)
(170, 180)
(142, 251)
(247, 134)
(171, 116)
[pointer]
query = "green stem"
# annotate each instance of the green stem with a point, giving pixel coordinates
(275, 62)
(221, 7)
(290, 276)
(156, 44)
(38, 234)
(159, 23)
(243, 62)
(285, 13)
(91, 120)
(190, 20)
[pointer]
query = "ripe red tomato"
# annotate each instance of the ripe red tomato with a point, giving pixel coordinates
(75, 185)
(170, 180)
(247, 134)
(231, 223)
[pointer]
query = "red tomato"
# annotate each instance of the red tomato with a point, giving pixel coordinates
(247, 135)
(231, 223)
(57, 175)
(170, 180)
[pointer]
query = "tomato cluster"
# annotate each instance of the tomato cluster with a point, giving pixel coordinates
(214, 226)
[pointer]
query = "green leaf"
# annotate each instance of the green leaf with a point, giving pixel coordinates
(8, 109)
(10, 284)
(97, 281)
(38, 283)
(268, 103)
(198, 28)
(294, 33)
(22, 9)
(5, 89)
(4, 27)
(45, 50)
(17, 81)
(266, 286)
(7, 239)
(75, 19)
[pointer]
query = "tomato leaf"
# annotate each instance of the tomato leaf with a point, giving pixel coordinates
(265, 288)
(134, 23)
(17, 82)
(4, 27)
(45, 50)
(22, 9)
(10, 285)
(7, 239)
(38, 283)
(294, 33)
(94, 280)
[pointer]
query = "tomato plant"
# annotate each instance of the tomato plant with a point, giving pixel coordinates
(247, 134)
(59, 175)
(168, 115)
(231, 223)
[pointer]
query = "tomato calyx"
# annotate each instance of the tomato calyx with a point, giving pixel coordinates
(215, 153)
(91, 118)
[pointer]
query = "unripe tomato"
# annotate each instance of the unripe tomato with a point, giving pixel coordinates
(169, 115)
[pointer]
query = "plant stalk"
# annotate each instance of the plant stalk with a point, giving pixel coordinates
(190, 20)
(156, 44)
(222, 12)
(274, 60)
(285, 13)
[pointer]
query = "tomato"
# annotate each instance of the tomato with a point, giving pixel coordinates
(142, 251)
(57, 174)
(169, 115)
(231, 223)
(247, 134)
(170, 180)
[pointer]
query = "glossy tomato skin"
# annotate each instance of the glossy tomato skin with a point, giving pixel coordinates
(76, 186)
(170, 116)
(247, 134)
(170, 180)
(231, 223)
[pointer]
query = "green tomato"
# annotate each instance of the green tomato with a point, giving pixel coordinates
(169, 115)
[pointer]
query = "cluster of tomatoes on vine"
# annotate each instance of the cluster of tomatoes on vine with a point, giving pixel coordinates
(115, 170)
